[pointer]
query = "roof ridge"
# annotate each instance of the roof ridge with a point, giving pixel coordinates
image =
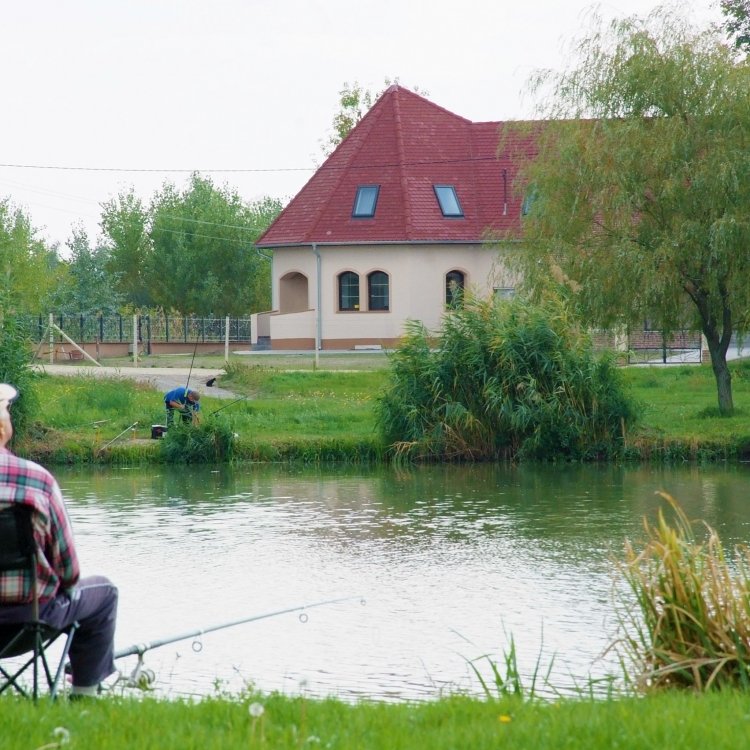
(401, 172)
(397, 88)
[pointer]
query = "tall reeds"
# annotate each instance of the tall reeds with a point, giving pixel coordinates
(502, 379)
(691, 628)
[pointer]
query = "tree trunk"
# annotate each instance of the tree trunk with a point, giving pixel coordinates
(721, 373)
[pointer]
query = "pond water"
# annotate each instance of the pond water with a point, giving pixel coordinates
(450, 564)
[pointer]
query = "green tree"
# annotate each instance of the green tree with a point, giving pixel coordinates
(15, 368)
(28, 268)
(125, 224)
(354, 103)
(263, 212)
(88, 288)
(204, 260)
(642, 182)
(737, 22)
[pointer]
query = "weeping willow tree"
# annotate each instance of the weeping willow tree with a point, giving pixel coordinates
(502, 379)
(642, 182)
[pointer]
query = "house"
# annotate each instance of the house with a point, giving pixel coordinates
(390, 225)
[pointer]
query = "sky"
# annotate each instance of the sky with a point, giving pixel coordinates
(103, 95)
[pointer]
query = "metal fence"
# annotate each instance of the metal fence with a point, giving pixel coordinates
(654, 347)
(150, 328)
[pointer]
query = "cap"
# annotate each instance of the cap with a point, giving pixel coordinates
(7, 394)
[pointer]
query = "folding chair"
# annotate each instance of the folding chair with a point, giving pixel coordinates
(17, 554)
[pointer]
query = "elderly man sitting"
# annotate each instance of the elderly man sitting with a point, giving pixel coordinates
(64, 596)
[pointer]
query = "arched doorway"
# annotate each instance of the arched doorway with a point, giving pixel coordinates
(293, 293)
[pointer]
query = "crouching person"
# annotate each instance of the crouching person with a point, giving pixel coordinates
(64, 596)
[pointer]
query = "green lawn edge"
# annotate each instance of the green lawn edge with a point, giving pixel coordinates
(327, 416)
(680, 720)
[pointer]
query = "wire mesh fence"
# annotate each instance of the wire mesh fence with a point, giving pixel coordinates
(149, 328)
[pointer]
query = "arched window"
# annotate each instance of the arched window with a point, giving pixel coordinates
(454, 288)
(377, 291)
(348, 291)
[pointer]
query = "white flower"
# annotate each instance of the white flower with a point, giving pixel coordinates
(255, 710)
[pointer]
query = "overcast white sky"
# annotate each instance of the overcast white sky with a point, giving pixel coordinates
(251, 85)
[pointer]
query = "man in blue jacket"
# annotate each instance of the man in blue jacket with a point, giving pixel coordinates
(185, 401)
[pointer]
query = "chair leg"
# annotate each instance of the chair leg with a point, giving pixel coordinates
(61, 666)
(12, 679)
(39, 653)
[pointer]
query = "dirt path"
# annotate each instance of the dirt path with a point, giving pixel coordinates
(161, 378)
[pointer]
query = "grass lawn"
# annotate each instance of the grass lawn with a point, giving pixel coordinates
(679, 407)
(298, 412)
(668, 720)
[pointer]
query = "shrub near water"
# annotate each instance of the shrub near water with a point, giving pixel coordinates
(692, 625)
(210, 441)
(507, 379)
(15, 358)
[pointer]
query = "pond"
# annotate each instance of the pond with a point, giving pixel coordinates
(445, 564)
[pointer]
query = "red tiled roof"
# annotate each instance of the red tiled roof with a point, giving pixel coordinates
(406, 144)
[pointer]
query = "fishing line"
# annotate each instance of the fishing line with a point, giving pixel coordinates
(226, 406)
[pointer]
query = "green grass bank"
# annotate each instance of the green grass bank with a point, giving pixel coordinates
(293, 410)
(677, 720)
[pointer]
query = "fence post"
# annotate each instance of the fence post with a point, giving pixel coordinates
(135, 341)
(226, 340)
(51, 340)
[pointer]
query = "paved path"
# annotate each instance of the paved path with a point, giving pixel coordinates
(161, 378)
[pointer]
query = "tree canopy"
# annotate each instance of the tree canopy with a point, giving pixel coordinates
(642, 182)
(28, 269)
(204, 261)
(86, 288)
(737, 22)
(125, 224)
(354, 103)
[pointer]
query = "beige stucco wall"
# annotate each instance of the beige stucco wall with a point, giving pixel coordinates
(417, 288)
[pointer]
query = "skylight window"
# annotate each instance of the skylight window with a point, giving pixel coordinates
(448, 200)
(365, 201)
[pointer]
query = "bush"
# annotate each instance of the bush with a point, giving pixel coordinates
(505, 379)
(691, 626)
(211, 441)
(15, 368)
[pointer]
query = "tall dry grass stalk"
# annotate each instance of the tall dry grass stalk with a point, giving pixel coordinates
(692, 626)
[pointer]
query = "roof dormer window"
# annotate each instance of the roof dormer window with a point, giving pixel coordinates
(448, 200)
(365, 201)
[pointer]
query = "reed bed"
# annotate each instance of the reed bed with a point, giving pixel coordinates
(503, 379)
(691, 629)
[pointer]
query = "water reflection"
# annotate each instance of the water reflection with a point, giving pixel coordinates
(451, 560)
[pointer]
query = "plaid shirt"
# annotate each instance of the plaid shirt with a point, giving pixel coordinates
(28, 483)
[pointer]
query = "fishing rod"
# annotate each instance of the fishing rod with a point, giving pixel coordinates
(117, 437)
(190, 371)
(141, 648)
(92, 424)
(144, 678)
(226, 406)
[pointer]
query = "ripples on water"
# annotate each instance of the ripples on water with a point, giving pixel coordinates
(451, 561)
